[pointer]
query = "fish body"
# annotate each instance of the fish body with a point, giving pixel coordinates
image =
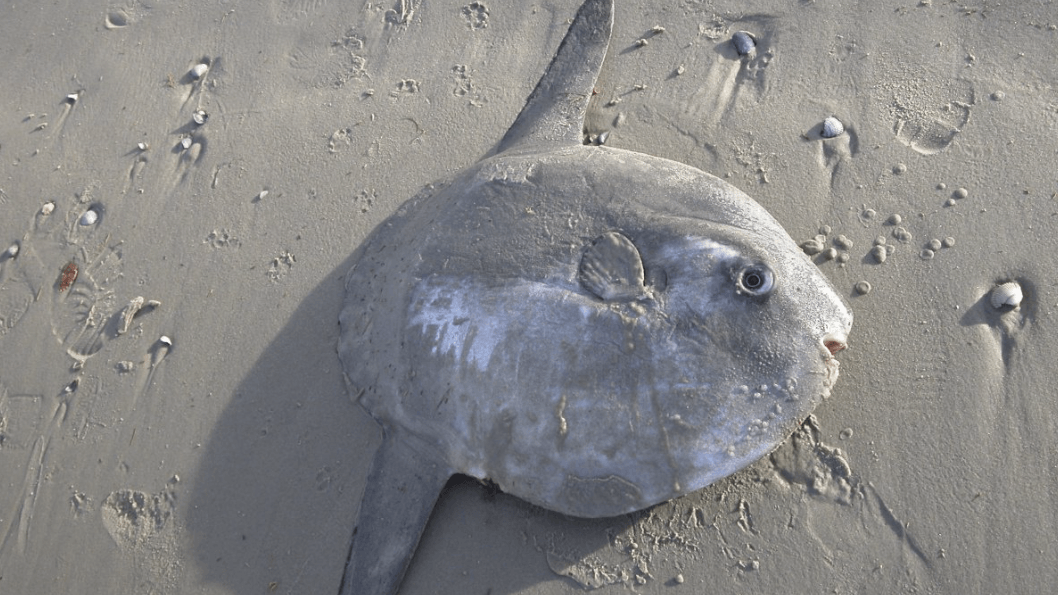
(489, 343)
(593, 329)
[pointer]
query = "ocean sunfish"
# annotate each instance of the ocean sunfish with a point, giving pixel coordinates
(594, 330)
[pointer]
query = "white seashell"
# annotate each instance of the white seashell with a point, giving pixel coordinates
(1007, 294)
(832, 127)
(47, 208)
(89, 217)
(199, 70)
(185, 142)
(142, 146)
(164, 340)
(12, 251)
(200, 117)
(744, 42)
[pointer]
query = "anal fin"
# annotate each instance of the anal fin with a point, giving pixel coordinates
(401, 491)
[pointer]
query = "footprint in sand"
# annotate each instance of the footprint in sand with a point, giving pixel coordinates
(62, 279)
(66, 269)
(927, 116)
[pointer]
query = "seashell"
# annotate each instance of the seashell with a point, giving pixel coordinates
(198, 71)
(199, 117)
(89, 217)
(812, 247)
(832, 127)
(12, 250)
(134, 309)
(744, 42)
(47, 208)
(1007, 294)
(186, 142)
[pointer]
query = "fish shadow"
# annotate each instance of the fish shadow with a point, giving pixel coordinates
(274, 503)
(275, 499)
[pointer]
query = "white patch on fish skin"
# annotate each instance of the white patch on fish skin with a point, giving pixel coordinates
(715, 249)
(468, 329)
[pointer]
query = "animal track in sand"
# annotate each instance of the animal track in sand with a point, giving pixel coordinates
(335, 65)
(476, 15)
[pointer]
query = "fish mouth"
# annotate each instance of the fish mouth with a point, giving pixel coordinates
(834, 343)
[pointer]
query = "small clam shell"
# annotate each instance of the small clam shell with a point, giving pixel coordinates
(90, 217)
(199, 117)
(47, 208)
(744, 42)
(832, 127)
(812, 247)
(199, 70)
(1007, 294)
(12, 250)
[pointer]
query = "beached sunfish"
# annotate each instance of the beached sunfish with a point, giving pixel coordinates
(594, 330)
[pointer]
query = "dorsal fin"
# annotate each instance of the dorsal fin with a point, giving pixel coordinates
(554, 113)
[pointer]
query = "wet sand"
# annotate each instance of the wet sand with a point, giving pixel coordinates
(228, 457)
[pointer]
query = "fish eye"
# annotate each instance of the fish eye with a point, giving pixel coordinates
(756, 280)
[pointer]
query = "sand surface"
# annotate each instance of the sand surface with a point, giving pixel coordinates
(231, 460)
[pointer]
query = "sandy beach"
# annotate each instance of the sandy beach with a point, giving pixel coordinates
(173, 415)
